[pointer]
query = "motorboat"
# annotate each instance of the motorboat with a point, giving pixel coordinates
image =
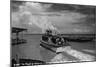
(50, 42)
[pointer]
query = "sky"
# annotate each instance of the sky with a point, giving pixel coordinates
(66, 18)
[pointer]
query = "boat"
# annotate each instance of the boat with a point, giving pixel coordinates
(50, 42)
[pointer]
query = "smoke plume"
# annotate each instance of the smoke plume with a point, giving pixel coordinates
(36, 15)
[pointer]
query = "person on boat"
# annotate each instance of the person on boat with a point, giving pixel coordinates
(52, 38)
(46, 37)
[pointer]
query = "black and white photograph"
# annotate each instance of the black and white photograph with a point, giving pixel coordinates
(44, 33)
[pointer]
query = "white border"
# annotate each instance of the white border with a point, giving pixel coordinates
(5, 34)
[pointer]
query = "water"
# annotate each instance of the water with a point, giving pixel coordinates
(33, 50)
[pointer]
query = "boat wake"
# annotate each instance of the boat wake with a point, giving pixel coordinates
(78, 55)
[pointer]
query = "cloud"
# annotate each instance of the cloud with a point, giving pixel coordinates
(31, 14)
(46, 6)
